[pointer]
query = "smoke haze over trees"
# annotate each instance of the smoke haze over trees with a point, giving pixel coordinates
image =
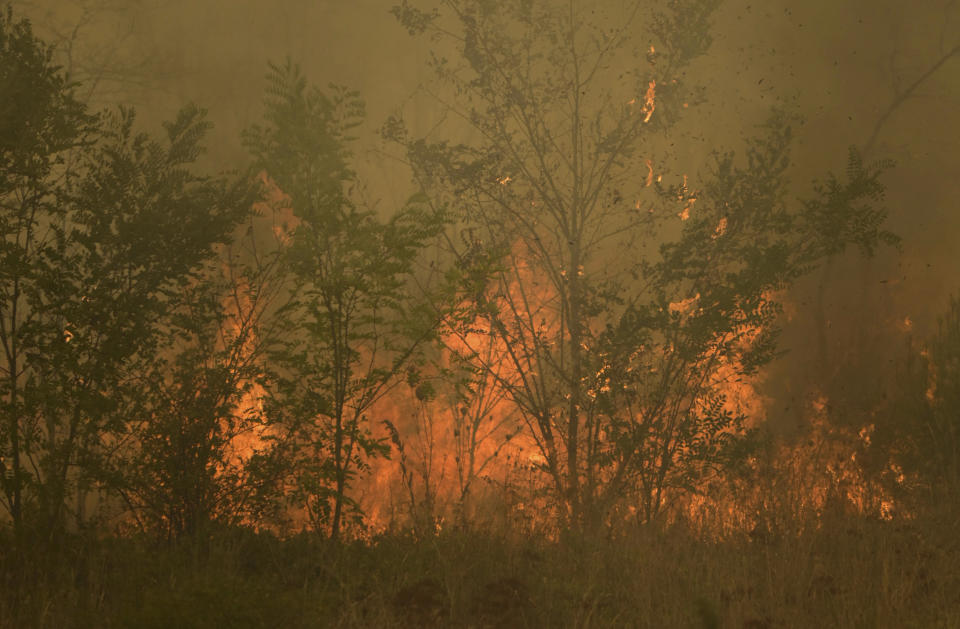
(540, 270)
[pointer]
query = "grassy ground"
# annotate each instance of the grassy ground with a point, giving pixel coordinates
(852, 573)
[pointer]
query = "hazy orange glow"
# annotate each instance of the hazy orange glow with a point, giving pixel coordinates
(649, 104)
(720, 229)
(469, 454)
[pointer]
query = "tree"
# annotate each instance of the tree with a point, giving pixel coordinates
(88, 272)
(41, 123)
(135, 201)
(483, 425)
(350, 327)
(834, 362)
(195, 451)
(110, 71)
(627, 306)
(915, 440)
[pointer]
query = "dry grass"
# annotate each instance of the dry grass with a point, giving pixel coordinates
(850, 573)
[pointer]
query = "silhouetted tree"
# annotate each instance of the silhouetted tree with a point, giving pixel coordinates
(41, 124)
(351, 326)
(98, 243)
(193, 448)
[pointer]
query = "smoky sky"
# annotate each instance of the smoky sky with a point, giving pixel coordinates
(844, 66)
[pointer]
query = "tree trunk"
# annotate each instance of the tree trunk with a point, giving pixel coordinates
(15, 486)
(576, 377)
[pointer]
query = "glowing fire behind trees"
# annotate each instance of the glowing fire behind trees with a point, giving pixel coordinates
(424, 485)
(591, 359)
(350, 327)
(194, 428)
(598, 335)
(618, 324)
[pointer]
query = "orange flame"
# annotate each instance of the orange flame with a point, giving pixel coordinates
(649, 104)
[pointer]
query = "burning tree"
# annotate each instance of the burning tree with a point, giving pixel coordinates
(630, 308)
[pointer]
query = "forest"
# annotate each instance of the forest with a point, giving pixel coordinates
(580, 368)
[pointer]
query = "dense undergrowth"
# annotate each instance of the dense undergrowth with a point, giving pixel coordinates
(845, 572)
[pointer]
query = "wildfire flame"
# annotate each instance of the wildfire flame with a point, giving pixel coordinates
(720, 229)
(430, 477)
(649, 103)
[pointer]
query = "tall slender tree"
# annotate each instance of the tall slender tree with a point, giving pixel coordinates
(351, 324)
(41, 124)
